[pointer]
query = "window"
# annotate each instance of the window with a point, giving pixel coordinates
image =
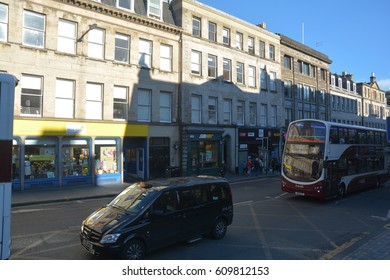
(252, 76)
(196, 109)
(144, 105)
(94, 101)
(240, 72)
(106, 156)
(212, 66)
(96, 43)
(165, 107)
(33, 29)
(196, 63)
(240, 112)
(226, 36)
(41, 158)
(196, 27)
(3, 22)
(212, 32)
(120, 102)
(227, 70)
(213, 110)
(155, 9)
(323, 74)
(263, 115)
(262, 49)
(145, 53)
(125, 4)
(252, 113)
(263, 79)
(271, 52)
(227, 111)
(67, 32)
(273, 117)
(287, 86)
(64, 104)
(239, 42)
(287, 62)
(272, 81)
(122, 48)
(166, 58)
(75, 157)
(251, 45)
(31, 95)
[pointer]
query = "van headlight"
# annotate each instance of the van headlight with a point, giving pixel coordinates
(110, 238)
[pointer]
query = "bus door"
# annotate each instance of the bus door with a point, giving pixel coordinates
(334, 177)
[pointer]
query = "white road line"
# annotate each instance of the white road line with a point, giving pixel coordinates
(244, 202)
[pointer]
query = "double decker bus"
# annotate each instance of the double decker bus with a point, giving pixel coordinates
(324, 159)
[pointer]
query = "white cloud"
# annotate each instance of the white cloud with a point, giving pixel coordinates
(384, 84)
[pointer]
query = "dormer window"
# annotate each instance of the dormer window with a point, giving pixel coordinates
(125, 4)
(155, 9)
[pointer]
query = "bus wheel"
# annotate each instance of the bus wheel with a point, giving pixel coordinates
(341, 191)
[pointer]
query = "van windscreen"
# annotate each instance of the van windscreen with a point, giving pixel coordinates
(133, 199)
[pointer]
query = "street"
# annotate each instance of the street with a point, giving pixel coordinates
(268, 225)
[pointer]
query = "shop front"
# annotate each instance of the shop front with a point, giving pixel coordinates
(56, 154)
(204, 153)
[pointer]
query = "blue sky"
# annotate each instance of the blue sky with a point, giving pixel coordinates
(355, 35)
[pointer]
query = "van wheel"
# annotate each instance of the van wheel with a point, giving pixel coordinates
(219, 229)
(134, 250)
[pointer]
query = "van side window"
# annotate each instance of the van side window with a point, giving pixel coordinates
(216, 193)
(193, 196)
(166, 203)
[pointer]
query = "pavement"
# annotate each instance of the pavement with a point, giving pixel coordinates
(376, 247)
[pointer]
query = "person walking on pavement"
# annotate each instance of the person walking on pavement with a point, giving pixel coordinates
(249, 166)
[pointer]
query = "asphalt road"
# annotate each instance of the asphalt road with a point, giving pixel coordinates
(268, 225)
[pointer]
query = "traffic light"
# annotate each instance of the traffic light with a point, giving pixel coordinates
(265, 143)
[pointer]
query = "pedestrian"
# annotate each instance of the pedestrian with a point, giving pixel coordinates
(244, 168)
(256, 166)
(248, 166)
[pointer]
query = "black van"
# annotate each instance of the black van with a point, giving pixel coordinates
(150, 215)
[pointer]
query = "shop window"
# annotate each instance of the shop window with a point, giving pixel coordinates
(106, 152)
(75, 157)
(40, 159)
(208, 151)
(15, 160)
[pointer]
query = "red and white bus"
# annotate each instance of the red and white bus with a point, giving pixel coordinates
(325, 159)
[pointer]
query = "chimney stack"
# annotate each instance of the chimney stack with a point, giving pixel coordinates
(372, 78)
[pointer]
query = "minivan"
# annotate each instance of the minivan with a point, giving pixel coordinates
(149, 215)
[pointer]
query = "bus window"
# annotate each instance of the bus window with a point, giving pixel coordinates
(362, 137)
(352, 136)
(343, 135)
(334, 135)
(370, 137)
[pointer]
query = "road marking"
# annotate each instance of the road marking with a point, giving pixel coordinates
(25, 249)
(31, 210)
(387, 226)
(244, 202)
(343, 247)
(260, 234)
(380, 218)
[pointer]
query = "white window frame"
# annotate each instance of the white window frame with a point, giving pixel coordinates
(227, 70)
(120, 98)
(196, 27)
(251, 76)
(262, 49)
(122, 48)
(96, 43)
(212, 110)
(31, 89)
(239, 41)
(271, 50)
(227, 111)
(272, 81)
(226, 36)
(155, 9)
(64, 103)
(166, 58)
(145, 53)
(212, 67)
(94, 101)
(144, 105)
(274, 116)
(196, 63)
(263, 79)
(240, 73)
(33, 35)
(165, 107)
(251, 45)
(212, 33)
(4, 23)
(263, 114)
(67, 36)
(196, 108)
(128, 7)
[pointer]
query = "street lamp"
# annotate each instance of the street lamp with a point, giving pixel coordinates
(91, 26)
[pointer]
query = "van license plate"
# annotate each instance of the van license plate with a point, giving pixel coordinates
(88, 245)
(300, 193)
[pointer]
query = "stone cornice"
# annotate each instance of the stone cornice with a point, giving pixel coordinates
(111, 11)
